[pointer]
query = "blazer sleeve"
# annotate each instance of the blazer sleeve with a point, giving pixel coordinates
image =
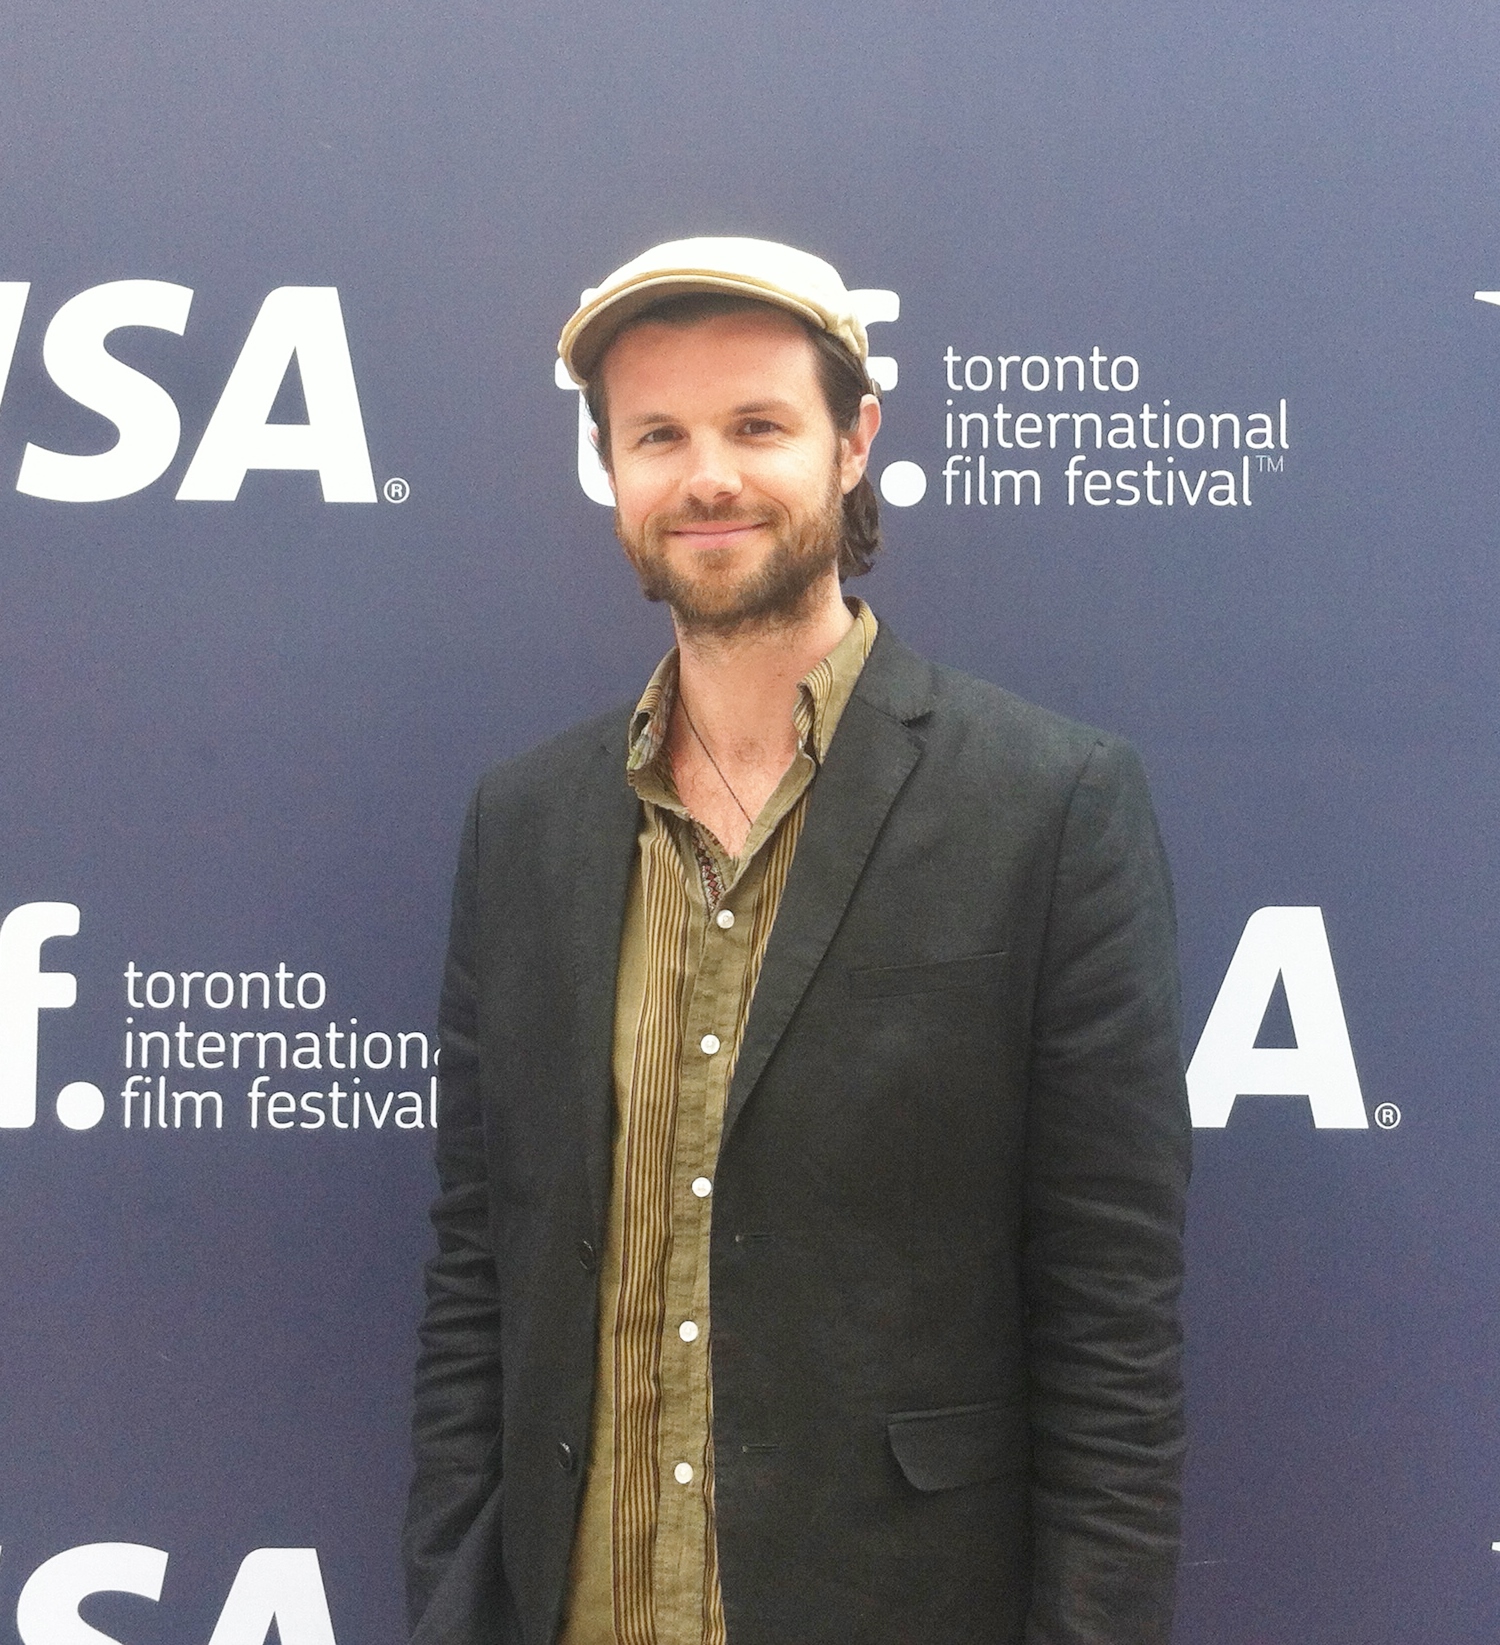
(457, 1422)
(1107, 1158)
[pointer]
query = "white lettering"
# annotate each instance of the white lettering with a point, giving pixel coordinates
(47, 1613)
(25, 990)
(76, 359)
(304, 323)
(13, 294)
(283, 1586)
(1292, 944)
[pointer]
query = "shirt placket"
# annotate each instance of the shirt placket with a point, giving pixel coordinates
(709, 1046)
(645, 1565)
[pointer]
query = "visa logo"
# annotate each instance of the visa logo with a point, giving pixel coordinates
(304, 324)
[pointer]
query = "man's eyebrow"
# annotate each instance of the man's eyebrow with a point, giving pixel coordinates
(750, 408)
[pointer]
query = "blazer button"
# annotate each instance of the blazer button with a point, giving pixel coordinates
(588, 1257)
(565, 1456)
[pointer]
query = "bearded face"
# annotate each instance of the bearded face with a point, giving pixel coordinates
(728, 471)
(722, 591)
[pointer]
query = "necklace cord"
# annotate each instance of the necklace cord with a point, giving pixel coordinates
(718, 771)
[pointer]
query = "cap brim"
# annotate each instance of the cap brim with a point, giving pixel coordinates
(591, 330)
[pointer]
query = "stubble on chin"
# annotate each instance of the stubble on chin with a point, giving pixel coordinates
(775, 595)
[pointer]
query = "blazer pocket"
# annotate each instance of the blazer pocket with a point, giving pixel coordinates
(960, 1445)
(931, 977)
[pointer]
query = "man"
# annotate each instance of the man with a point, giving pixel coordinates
(813, 1139)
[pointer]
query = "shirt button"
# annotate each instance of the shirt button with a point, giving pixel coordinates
(702, 1187)
(565, 1456)
(683, 1473)
(709, 1044)
(688, 1331)
(724, 919)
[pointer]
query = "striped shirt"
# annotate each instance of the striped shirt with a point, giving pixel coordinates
(697, 922)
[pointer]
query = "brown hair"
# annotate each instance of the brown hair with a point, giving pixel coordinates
(841, 376)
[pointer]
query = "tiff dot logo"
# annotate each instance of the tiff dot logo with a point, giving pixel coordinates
(25, 992)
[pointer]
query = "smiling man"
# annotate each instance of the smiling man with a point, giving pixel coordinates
(813, 1139)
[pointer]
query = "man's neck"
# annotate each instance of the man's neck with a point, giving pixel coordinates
(733, 735)
(741, 689)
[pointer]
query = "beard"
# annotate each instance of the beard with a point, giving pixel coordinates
(710, 601)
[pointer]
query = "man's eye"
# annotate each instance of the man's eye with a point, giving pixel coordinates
(658, 436)
(758, 425)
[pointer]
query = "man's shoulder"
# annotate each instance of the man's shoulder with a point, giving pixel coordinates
(1009, 715)
(981, 723)
(552, 767)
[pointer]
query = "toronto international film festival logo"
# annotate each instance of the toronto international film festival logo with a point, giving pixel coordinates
(265, 1030)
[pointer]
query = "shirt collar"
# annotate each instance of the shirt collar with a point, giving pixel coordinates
(822, 694)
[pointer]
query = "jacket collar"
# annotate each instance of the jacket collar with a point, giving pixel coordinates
(872, 754)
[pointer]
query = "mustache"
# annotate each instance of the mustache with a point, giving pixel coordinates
(693, 512)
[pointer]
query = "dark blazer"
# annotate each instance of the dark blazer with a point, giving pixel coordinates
(947, 1210)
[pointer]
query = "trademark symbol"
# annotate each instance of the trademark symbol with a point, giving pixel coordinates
(1387, 1116)
(1271, 465)
(396, 490)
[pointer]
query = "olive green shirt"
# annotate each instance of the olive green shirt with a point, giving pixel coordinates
(644, 1568)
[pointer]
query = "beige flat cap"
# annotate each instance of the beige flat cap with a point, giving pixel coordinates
(772, 273)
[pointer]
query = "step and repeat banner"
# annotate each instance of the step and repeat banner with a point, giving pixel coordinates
(1189, 323)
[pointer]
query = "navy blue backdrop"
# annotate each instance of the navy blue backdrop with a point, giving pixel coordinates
(236, 735)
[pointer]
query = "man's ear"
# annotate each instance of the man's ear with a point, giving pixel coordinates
(602, 452)
(854, 447)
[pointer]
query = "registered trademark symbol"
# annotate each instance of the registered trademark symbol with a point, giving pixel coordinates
(1387, 1116)
(396, 490)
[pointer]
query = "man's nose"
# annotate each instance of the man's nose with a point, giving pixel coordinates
(713, 475)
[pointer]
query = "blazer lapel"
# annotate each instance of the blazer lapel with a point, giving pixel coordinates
(869, 760)
(606, 817)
